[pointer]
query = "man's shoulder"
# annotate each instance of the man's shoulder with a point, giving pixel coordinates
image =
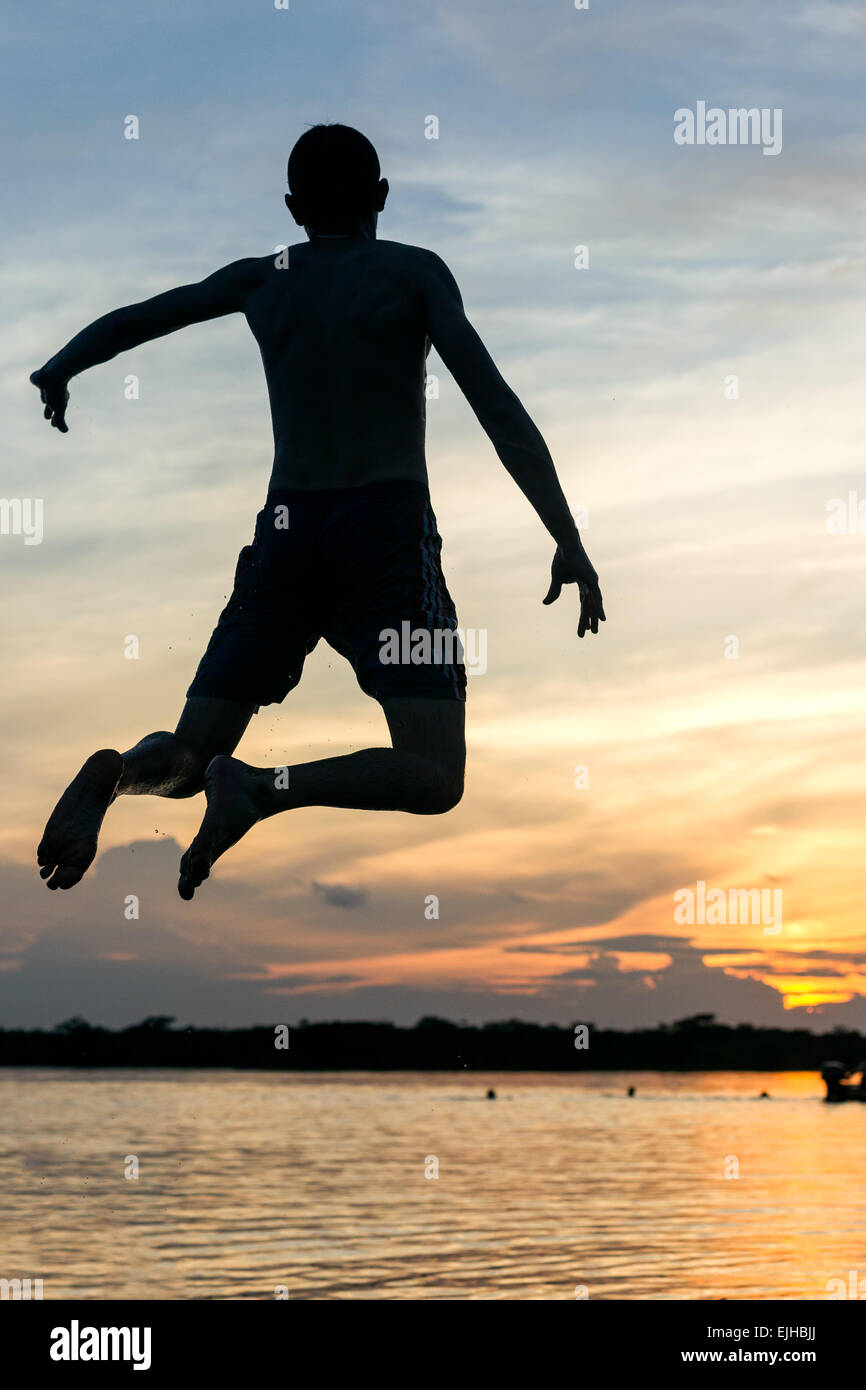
(416, 255)
(422, 265)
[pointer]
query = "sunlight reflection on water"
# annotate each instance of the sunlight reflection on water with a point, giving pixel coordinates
(250, 1180)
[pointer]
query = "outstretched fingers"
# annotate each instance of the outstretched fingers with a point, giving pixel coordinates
(591, 609)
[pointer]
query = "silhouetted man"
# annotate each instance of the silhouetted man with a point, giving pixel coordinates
(346, 546)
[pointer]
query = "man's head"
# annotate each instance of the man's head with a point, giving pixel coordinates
(334, 179)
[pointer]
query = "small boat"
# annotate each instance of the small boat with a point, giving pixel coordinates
(835, 1077)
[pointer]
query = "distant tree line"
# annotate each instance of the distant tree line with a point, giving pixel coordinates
(697, 1043)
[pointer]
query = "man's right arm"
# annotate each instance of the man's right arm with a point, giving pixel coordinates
(222, 293)
(514, 436)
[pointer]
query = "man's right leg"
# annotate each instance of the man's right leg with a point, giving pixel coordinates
(162, 764)
(422, 773)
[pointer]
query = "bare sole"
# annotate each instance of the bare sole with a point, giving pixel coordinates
(68, 846)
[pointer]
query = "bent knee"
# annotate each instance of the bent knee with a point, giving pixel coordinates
(443, 792)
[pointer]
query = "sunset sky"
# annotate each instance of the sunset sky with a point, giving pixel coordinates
(707, 511)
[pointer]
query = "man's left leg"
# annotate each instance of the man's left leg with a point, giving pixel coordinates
(422, 773)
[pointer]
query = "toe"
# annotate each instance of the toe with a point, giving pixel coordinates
(64, 876)
(196, 862)
(68, 875)
(198, 871)
(194, 869)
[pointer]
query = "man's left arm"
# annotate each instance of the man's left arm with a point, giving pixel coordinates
(222, 293)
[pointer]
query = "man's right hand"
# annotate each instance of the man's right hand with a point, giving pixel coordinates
(571, 565)
(54, 396)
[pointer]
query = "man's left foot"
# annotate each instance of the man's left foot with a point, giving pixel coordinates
(232, 810)
(68, 847)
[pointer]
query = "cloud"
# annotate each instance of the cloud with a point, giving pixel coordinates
(338, 895)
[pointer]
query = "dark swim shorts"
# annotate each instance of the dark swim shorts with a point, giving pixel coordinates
(358, 566)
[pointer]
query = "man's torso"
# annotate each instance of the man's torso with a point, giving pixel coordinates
(341, 328)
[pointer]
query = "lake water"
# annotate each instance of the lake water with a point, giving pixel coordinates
(251, 1181)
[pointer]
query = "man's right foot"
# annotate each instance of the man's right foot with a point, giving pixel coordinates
(233, 808)
(68, 847)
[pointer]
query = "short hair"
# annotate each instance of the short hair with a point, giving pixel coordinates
(334, 170)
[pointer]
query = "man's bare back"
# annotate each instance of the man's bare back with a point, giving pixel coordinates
(342, 330)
